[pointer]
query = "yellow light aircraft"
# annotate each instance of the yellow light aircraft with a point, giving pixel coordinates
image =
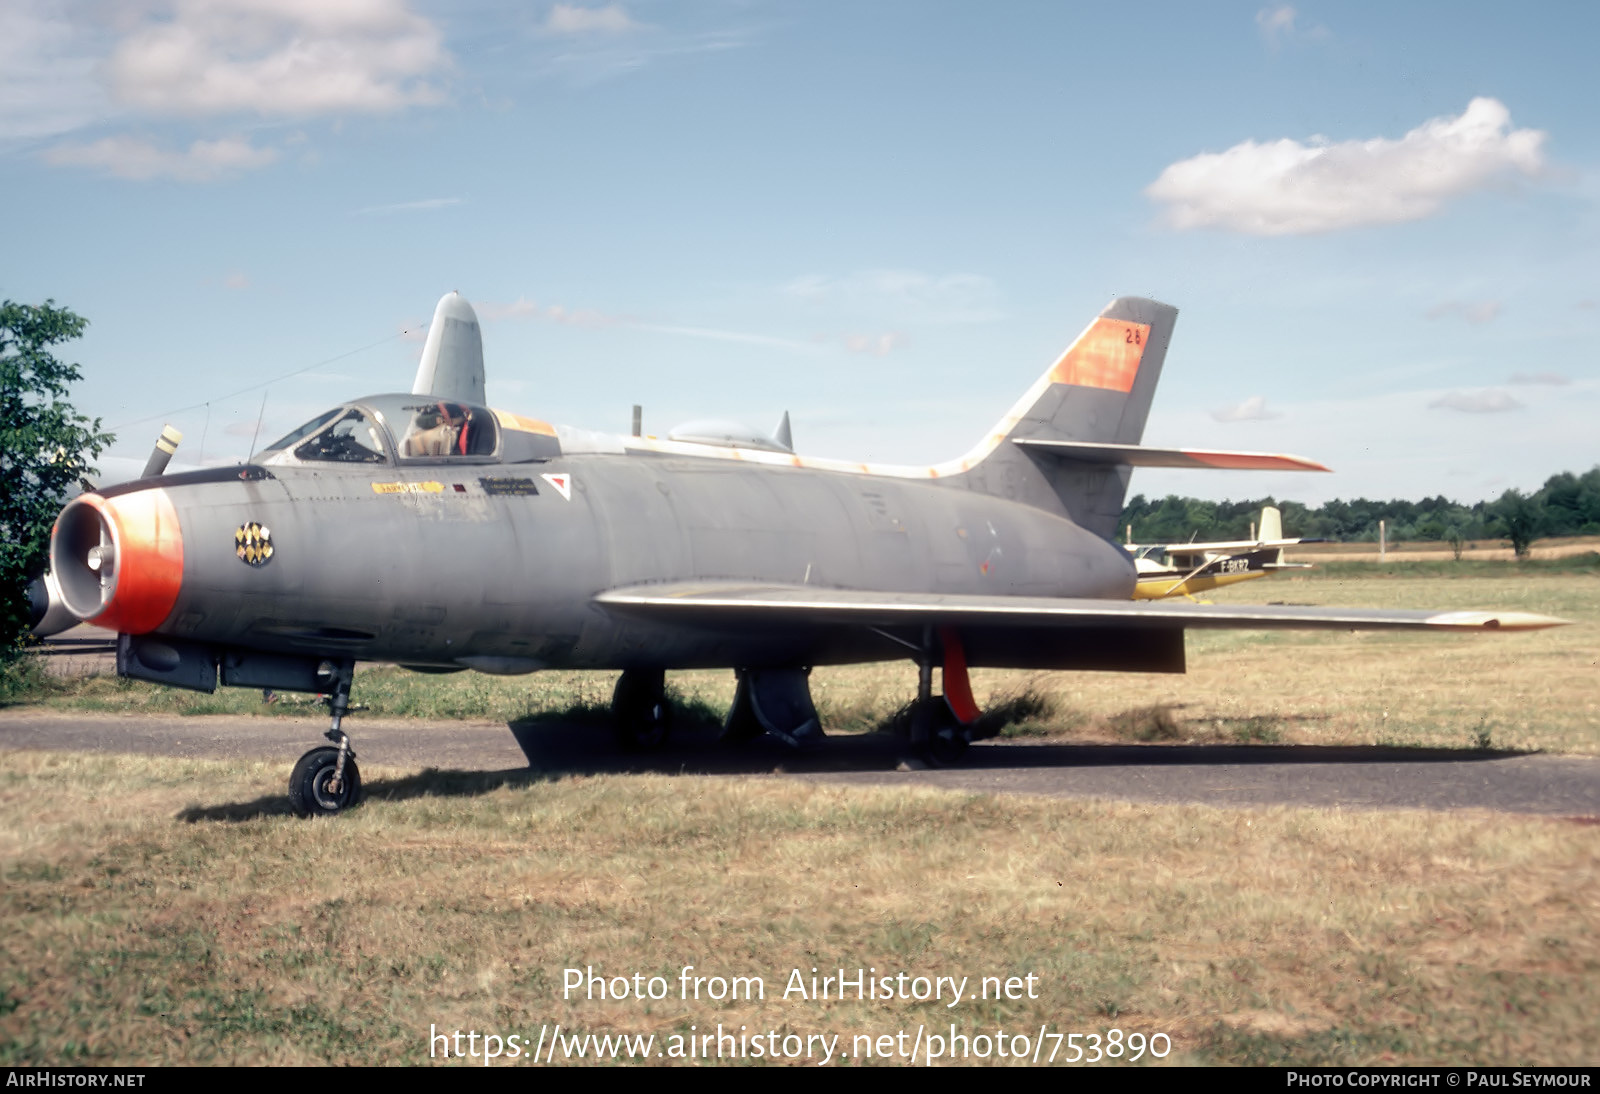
(1184, 569)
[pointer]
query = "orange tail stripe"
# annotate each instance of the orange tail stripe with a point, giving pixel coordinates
(1107, 355)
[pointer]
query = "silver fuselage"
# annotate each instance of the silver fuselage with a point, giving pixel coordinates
(452, 565)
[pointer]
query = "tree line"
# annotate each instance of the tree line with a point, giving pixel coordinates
(1566, 505)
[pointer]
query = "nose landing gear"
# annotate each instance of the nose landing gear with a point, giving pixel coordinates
(326, 780)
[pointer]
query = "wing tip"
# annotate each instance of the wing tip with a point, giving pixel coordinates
(1496, 621)
(1222, 460)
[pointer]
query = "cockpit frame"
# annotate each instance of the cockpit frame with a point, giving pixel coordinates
(411, 430)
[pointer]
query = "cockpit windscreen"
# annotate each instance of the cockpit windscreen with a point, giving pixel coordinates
(304, 431)
(351, 439)
(416, 427)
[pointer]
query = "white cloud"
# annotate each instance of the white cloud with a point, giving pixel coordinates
(903, 295)
(581, 317)
(520, 308)
(65, 65)
(1253, 409)
(874, 345)
(1552, 378)
(1476, 312)
(407, 207)
(285, 58)
(1384, 445)
(523, 308)
(236, 280)
(1276, 22)
(588, 58)
(1491, 400)
(714, 334)
(1280, 24)
(47, 83)
(133, 158)
(572, 19)
(1285, 187)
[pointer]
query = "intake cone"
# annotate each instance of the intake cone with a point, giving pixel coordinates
(119, 561)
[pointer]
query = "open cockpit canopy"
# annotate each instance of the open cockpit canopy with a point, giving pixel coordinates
(383, 429)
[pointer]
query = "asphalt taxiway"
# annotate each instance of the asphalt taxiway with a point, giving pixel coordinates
(1226, 775)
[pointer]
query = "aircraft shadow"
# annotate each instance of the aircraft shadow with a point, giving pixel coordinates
(270, 806)
(555, 751)
(430, 782)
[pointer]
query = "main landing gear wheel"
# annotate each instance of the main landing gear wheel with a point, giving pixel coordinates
(311, 786)
(937, 733)
(641, 711)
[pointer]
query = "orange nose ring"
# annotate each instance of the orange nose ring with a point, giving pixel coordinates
(124, 570)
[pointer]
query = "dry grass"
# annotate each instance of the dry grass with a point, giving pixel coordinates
(457, 900)
(1423, 550)
(1528, 691)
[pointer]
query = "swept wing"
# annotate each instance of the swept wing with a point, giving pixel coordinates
(746, 604)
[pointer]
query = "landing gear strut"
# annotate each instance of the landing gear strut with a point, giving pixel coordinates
(941, 725)
(935, 732)
(326, 780)
(641, 711)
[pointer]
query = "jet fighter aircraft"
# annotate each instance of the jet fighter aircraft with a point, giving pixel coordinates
(429, 530)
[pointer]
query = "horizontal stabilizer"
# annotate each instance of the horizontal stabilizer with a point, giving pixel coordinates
(1133, 455)
(737, 604)
(1192, 548)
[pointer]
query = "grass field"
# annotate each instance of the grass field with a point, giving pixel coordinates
(160, 911)
(456, 901)
(1498, 550)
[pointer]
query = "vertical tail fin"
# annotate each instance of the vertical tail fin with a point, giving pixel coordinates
(1271, 524)
(1098, 392)
(452, 357)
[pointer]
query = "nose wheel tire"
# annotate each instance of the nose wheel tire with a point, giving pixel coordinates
(310, 793)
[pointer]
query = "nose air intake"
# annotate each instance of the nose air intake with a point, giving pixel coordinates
(119, 561)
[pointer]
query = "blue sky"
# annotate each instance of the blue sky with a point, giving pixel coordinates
(1379, 222)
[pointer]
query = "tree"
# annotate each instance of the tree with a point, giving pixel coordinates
(1520, 518)
(45, 448)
